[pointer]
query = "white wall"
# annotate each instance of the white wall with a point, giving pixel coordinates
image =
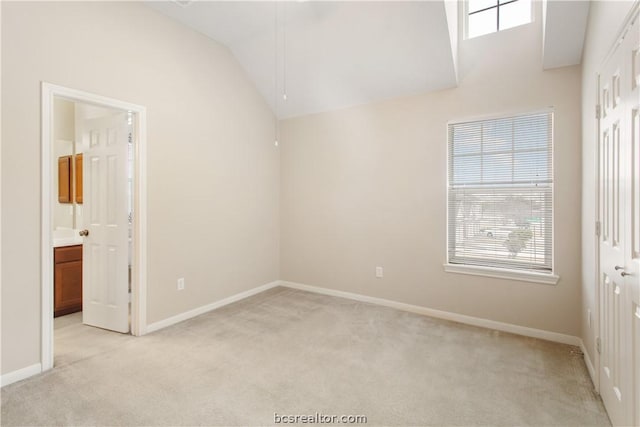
(213, 171)
(366, 186)
(452, 10)
(605, 20)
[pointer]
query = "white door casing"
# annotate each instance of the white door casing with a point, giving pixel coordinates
(619, 238)
(139, 259)
(105, 249)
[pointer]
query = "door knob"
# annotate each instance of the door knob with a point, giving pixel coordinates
(84, 232)
(617, 267)
(623, 274)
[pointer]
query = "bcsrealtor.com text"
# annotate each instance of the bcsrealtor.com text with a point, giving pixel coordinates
(318, 418)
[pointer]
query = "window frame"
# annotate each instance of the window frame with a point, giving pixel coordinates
(550, 278)
(465, 19)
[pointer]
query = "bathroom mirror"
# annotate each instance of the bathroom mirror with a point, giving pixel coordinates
(64, 169)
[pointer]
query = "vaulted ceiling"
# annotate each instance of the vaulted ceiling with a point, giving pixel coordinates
(313, 56)
(565, 24)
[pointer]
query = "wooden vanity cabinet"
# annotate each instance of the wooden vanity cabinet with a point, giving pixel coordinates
(78, 178)
(67, 282)
(64, 179)
(70, 179)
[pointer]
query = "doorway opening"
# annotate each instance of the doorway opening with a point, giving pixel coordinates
(93, 222)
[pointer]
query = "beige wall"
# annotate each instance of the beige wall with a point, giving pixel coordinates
(366, 186)
(361, 187)
(605, 20)
(213, 171)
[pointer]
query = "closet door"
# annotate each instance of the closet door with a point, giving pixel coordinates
(619, 240)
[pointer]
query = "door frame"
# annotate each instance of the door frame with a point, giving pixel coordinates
(139, 235)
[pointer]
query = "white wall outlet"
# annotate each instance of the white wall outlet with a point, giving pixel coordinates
(379, 272)
(181, 284)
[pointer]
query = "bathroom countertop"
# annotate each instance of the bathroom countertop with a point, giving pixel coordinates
(66, 241)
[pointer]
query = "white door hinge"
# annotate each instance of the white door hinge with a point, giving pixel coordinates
(598, 228)
(598, 112)
(598, 345)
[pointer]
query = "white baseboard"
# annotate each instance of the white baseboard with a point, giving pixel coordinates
(20, 374)
(206, 308)
(587, 361)
(446, 315)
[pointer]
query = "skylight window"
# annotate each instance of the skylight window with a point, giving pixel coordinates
(490, 16)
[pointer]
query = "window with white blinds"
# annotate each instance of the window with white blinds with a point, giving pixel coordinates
(500, 193)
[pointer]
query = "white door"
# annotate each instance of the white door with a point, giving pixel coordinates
(620, 236)
(105, 275)
(631, 47)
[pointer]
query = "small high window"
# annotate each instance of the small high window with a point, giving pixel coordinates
(490, 16)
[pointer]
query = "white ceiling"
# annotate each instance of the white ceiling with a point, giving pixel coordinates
(330, 54)
(335, 54)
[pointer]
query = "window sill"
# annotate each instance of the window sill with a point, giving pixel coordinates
(502, 273)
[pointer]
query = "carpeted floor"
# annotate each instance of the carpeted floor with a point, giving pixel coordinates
(290, 352)
(75, 341)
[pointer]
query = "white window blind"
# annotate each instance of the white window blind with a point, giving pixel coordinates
(500, 193)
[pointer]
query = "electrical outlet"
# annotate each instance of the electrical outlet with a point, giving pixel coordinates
(181, 284)
(379, 272)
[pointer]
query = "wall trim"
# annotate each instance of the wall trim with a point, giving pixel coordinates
(590, 366)
(503, 273)
(156, 326)
(20, 374)
(29, 371)
(445, 315)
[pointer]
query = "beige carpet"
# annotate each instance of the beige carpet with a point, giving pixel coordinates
(292, 352)
(74, 341)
